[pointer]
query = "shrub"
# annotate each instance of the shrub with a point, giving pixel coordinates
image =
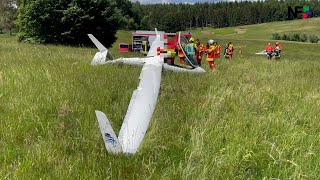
(276, 36)
(313, 38)
(294, 37)
(21, 37)
(303, 37)
(285, 37)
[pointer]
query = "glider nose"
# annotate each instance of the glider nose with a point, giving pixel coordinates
(199, 70)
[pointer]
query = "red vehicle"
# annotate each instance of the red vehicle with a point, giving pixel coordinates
(188, 36)
(172, 39)
(123, 47)
(139, 39)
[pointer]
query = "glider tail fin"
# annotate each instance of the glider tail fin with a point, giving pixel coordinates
(103, 55)
(109, 137)
(97, 43)
(158, 42)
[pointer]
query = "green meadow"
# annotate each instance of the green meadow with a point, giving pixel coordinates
(252, 118)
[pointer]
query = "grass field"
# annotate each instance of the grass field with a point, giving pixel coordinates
(252, 118)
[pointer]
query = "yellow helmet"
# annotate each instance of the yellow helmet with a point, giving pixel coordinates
(191, 40)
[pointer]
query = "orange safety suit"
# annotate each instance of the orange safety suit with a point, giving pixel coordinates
(269, 48)
(279, 47)
(218, 51)
(230, 51)
(199, 53)
(210, 56)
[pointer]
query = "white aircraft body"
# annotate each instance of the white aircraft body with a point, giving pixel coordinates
(264, 52)
(144, 98)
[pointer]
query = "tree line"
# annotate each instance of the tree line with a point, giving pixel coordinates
(221, 14)
(68, 21)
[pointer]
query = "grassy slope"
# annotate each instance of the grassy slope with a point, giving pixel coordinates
(264, 31)
(252, 118)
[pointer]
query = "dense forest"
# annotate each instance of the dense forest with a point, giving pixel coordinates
(68, 21)
(221, 14)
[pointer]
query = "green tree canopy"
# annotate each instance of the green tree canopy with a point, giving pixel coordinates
(171, 22)
(8, 14)
(68, 22)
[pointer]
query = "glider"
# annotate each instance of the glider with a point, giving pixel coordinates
(264, 52)
(144, 98)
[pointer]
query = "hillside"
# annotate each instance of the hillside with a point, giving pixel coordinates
(252, 118)
(265, 30)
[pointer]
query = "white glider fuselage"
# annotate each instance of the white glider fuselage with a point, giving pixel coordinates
(264, 52)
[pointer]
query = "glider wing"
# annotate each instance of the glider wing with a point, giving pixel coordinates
(141, 106)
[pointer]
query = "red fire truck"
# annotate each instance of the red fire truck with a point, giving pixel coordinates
(141, 41)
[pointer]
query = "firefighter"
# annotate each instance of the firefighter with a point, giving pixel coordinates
(210, 54)
(226, 51)
(269, 51)
(279, 46)
(199, 52)
(207, 45)
(277, 50)
(197, 42)
(215, 50)
(192, 44)
(219, 50)
(180, 54)
(230, 50)
(191, 48)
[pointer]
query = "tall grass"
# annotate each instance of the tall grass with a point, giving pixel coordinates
(252, 118)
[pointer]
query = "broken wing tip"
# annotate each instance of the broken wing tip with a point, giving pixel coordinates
(99, 112)
(111, 141)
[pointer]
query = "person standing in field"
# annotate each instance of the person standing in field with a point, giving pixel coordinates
(279, 46)
(207, 45)
(230, 50)
(226, 51)
(199, 51)
(192, 46)
(215, 49)
(277, 50)
(180, 54)
(197, 42)
(218, 50)
(190, 50)
(210, 54)
(269, 51)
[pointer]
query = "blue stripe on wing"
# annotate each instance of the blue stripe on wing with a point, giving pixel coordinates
(110, 139)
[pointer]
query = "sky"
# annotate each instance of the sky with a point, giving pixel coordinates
(175, 1)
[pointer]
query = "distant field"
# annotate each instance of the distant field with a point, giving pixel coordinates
(252, 118)
(264, 31)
